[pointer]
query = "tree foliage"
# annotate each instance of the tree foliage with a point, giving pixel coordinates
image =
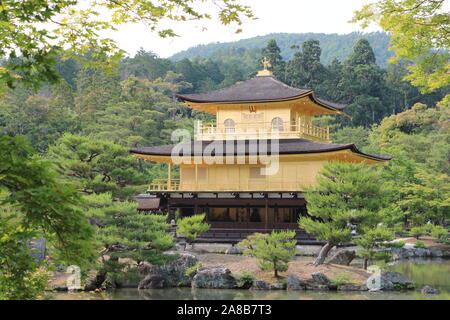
(34, 33)
(36, 203)
(419, 33)
(126, 236)
(273, 250)
(192, 226)
(346, 195)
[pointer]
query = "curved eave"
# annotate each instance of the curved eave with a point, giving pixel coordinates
(310, 94)
(165, 157)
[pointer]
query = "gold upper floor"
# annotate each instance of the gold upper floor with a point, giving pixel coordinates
(252, 121)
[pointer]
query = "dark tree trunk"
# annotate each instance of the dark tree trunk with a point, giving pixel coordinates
(323, 253)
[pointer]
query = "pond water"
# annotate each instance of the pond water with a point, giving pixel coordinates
(435, 273)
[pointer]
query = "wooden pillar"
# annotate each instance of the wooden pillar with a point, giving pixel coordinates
(169, 177)
(267, 213)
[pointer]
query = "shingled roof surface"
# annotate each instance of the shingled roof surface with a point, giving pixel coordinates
(259, 88)
(286, 146)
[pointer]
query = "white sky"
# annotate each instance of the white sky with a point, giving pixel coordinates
(292, 16)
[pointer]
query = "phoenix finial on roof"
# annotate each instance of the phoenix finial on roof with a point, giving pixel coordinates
(266, 63)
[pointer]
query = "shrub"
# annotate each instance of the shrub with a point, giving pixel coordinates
(396, 244)
(417, 232)
(341, 279)
(439, 232)
(192, 226)
(192, 271)
(273, 251)
(244, 280)
(419, 244)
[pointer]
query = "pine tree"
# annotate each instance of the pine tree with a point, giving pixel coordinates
(373, 239)
(273, 53)
(125, 233)
(192, 226)
(346, 195)
(273, 250)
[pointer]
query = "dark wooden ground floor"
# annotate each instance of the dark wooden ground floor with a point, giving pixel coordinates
(234, 216)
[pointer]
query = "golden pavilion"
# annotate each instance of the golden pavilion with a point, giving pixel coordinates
(224, 171)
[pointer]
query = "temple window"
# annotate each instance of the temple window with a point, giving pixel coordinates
(229, 125)
(277, 124)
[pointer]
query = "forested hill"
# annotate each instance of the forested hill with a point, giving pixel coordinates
(333, 46)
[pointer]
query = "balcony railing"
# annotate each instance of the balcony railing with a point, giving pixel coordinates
(164, 185)
(255, 130)
(272, 184)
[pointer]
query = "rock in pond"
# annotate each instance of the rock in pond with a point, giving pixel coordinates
(317, 287)
(320, 278)
(343, 257)
(214, 278)
(173, 272)
(378, 283)
(277, 286)
(398, 280)
(259, 285)
(153, 281)
(294, 283)
(352, 287)
(427, 290)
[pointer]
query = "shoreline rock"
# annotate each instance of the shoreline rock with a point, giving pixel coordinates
(173, 272)
(214, 278)
(411, 252)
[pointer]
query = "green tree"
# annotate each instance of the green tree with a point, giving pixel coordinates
(40, 205)
(346, 195)
(273, 53)
(35, 32)
(371, 241)
(126, 237)
(363, 86)
(305, 70)
(97, 166)
(419, 34)
(428, 199)
(273, 250)
(192, 226)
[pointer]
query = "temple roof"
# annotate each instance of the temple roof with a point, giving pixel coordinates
(257, 89)
(286, 146)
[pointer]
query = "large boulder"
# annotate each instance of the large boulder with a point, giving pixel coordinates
(398, 280)
(294, 283)
(153, 281)
(259, 285)
(214, 278)
(427, 290)
(320, 278)
(343, 257)
(174, 272)
(379, 283)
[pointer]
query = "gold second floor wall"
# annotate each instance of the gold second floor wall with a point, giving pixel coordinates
(291, 176)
